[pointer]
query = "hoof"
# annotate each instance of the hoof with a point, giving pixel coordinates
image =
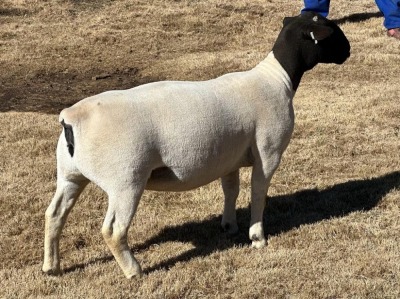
(257, 242)
(51, 272)
(134, 276)
(136, 272)
(229, 229)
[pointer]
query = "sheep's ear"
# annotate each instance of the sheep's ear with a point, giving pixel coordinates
(287, 20)
(318, 32)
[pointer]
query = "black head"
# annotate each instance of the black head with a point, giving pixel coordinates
(309, 39)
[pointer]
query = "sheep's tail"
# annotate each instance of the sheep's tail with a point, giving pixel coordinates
(69, 137)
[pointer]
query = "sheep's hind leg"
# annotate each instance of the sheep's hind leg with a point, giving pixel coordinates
(56, 215)
(230, 186)
(121, 209)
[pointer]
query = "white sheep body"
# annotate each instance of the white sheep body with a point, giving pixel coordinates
(176, 136)
(190, 133)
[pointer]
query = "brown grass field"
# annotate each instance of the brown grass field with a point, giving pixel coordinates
(333, 212)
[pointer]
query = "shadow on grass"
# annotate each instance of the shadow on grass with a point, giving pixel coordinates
(358, 17)
(51, 93)
(283, 213)
(11, 12)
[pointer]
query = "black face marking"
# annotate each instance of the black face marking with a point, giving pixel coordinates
(69, 137)
(307, 40)
(255, 238)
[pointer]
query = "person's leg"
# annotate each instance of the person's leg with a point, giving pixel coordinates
(391, 13)
(319, 6)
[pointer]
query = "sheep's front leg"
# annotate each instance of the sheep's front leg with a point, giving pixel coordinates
(230, 186)
(56, 215)
(121, 209)
(260, 180)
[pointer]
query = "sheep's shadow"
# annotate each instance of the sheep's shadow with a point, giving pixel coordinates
(51, 93)
(11, 12)
(283, 213)
(358, 17)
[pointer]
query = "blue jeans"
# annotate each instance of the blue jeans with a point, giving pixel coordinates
(389, 8)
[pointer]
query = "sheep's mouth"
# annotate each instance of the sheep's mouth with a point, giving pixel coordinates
(343, 58)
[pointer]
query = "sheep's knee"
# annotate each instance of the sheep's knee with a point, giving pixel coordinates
(108, 235)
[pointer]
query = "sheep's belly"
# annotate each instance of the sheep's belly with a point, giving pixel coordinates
(165, 179)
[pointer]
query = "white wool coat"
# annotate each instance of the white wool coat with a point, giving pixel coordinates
(182, 135)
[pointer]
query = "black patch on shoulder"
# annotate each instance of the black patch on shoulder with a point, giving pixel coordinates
(69, 137)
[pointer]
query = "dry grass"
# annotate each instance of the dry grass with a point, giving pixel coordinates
(332, 220)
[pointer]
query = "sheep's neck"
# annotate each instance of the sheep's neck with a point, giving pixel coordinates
(293, 63)
(271, 68)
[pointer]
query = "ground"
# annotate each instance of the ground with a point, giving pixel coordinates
(332, 217)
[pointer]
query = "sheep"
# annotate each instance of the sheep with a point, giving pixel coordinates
(176, 136)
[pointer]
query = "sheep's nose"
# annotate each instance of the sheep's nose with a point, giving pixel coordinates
(341, 59)
(348, 54)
